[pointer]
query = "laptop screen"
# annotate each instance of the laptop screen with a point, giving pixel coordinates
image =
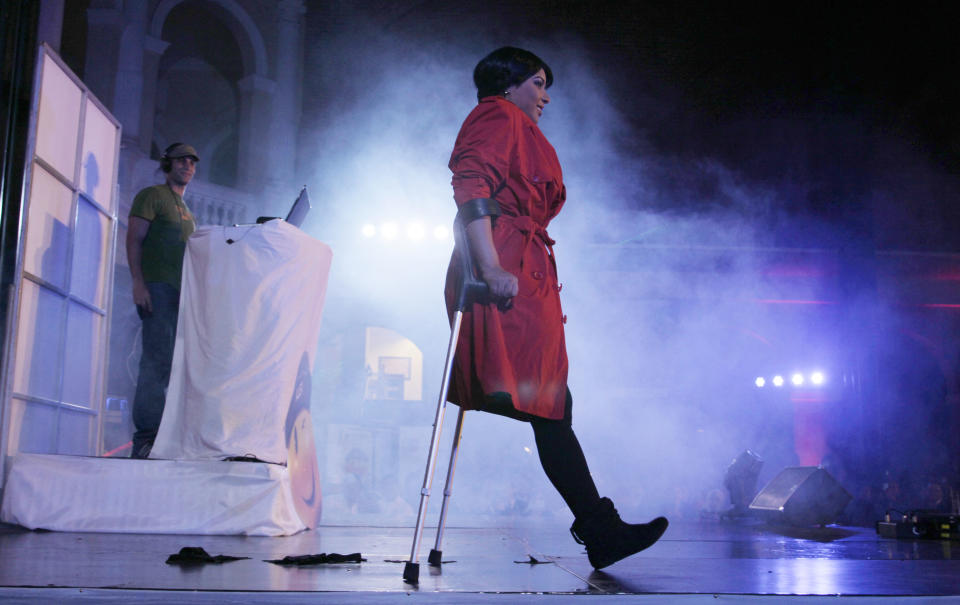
(299, 209)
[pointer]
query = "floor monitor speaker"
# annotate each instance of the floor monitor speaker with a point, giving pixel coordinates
(801, 495)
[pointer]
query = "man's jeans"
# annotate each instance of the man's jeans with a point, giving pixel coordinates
(159, 335)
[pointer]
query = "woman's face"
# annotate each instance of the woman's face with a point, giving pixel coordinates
(530, 95)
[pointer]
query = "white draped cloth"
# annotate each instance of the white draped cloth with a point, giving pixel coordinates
(250, 310)
(79, 493)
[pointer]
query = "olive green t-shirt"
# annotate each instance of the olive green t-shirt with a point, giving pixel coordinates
(171, 223)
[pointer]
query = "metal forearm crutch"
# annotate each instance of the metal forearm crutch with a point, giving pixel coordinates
(471, 289)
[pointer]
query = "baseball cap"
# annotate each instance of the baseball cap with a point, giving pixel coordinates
(182, 150)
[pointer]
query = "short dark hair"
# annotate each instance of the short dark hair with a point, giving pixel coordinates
(506, 67)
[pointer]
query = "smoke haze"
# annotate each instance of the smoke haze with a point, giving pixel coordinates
(688, 271)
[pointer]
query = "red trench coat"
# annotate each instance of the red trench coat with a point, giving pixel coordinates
(500, 153)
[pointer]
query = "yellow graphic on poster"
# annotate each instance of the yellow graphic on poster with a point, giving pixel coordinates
(302, 451)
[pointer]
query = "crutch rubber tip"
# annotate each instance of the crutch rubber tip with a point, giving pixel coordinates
(435, 557)
(411, 573)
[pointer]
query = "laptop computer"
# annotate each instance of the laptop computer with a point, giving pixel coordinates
(297, 212)
(299, 209)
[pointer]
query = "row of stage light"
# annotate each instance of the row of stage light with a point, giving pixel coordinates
(797, 379)
(413, 232)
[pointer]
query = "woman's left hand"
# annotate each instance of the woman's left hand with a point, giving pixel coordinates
(502, 283)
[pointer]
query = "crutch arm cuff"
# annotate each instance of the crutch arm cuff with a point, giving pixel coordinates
(471, 287)
(478, 207)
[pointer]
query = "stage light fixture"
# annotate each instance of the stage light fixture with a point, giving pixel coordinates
(817, 378)
(368, 230)
(440, 232)
(778, 381)
(389, 231)
(760, 382)
(741, 481)
(797, 379)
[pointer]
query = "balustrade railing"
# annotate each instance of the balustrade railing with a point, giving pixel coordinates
(214, 205)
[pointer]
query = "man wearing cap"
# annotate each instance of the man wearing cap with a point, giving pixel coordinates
(157, 233)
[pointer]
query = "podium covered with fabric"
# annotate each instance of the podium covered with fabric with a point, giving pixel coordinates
(235, 452)
(250, 310)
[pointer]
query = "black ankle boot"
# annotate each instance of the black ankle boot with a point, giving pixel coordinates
(608, 539)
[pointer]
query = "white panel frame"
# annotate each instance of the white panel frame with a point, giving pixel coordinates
(47, 59)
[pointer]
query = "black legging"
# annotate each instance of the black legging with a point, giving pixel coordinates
(564, 463)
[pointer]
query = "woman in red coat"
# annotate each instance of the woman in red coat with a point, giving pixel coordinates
(511, 357)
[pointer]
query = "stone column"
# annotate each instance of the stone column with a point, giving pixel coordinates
(50, 23)
(128, 91)
(281, 161)
(153, 49)
(104, 29)
(256, 105)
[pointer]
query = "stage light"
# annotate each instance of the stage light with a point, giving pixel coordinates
(778, 381)
(741, 482)
(797, 379)
(760, 382)
(389, 231)
(817, 378)
(415, 231)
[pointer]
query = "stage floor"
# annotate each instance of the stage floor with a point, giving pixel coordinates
(695, 562)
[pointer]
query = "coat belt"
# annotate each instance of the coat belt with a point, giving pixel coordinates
(530, 229)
